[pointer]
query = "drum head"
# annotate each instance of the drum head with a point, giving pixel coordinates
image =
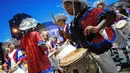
(120, 24)
(65, 51)
(72, 57)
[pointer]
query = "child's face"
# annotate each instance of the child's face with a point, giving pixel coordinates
(118, 16)
(54, 39)
(46, 37)
(61, 22)
(119, 8)
(69, 7)
(100, 5)
(11, 47)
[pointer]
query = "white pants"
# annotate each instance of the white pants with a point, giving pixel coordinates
(54, 62)
(106, 63)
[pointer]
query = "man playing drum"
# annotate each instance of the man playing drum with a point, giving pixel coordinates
(51, 49)
(61, 19)
(122, 10)
(122, 33)
(121, 7)
(85, 31)
(121, 21)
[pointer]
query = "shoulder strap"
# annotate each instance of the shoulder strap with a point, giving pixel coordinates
(82, 12)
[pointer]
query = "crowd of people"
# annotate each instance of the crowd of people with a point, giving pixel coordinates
(93, 28)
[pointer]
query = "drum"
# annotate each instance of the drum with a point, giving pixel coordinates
(123, 28)
(78, 61)
(64, 50)
(56, 55)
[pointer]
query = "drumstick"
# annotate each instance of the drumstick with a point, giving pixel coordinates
(55, 20)
(52, 53)
(14, 69)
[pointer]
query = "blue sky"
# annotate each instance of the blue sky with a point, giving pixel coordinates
(38, 9)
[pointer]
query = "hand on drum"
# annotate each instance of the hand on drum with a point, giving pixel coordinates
(67, 41)
(91, 29)
(64, 34)
(53, 49)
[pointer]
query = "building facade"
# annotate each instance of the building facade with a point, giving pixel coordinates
(14, 25)
(1, 54)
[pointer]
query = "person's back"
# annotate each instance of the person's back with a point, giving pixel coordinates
(34, 46)
(35, 55)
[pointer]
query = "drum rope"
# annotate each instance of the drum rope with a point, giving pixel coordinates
(66, 70)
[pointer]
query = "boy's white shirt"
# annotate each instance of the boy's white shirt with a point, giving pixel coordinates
(11, 57)
(13, 63)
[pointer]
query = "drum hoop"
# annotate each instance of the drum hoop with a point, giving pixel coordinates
(66, 65)
(123, 26)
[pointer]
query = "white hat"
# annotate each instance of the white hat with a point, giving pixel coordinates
(99, 2)
(61, 16)
(9, 41)
(119, 4)
(27, 23)
(83, 3)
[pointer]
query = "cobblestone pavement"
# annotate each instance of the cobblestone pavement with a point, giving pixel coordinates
(125, 70)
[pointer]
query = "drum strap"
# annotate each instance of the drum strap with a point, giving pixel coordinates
(77, 32)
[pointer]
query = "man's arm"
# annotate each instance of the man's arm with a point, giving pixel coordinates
(107, 21)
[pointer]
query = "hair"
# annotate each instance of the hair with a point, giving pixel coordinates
(61, 19)
(9, 44)
(78, 7)
(120, 6)
(123, 11)
(54, 38)
(101, 4)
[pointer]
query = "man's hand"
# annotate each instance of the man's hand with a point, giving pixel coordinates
(61, 32)
(12, 70)
(64, 34)
(43, 45)
(91, 29)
